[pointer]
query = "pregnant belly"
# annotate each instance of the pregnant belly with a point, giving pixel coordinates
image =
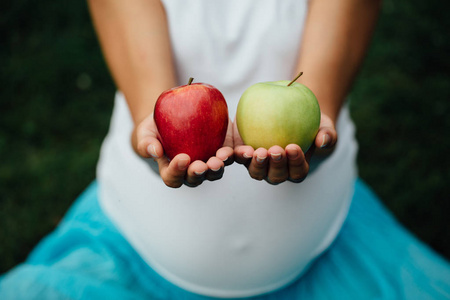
(233, 238)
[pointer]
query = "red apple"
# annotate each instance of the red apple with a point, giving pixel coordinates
(191, 119)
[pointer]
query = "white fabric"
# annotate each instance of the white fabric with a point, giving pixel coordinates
(234, 237)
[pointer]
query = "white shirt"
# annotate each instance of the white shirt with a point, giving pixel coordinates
(234, 237)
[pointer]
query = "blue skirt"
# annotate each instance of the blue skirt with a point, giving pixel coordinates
(373, 257)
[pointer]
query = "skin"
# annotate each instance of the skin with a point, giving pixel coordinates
(136, 45)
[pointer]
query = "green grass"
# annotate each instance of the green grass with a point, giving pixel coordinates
(55, 104)
(56, 100)
(401, 106)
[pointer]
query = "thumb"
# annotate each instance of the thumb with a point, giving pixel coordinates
(228, 142)
(326, 138)
(237, 140)
(144, 139)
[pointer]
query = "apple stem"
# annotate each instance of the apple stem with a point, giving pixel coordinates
(190, 80)
(298, 76)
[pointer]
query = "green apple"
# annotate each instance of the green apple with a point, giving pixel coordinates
(278, 113)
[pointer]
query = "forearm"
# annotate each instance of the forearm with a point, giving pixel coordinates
(335, 40)
(135, 42)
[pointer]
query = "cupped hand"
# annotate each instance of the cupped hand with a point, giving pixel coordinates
(276, 165)
(180, 170)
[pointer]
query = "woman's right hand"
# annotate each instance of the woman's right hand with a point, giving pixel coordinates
(180, 170)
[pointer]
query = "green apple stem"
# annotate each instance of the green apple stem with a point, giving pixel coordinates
(190, 80)
(298, 76)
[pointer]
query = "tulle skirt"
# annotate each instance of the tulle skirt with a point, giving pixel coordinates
(373, 257)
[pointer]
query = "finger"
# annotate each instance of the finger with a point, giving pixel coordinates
(297, 163)
(215, 169)
(324, 144)
(237, 140)
(150, 147)
(229, 136)
(173, 172)
(326, 138)
(259, 164)
(278, 169)
(226, 155)
(144, 139)
(327, 135)
(243, 154)
(196, 173)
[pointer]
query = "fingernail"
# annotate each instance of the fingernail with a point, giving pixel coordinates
(246, 156)
(183, 164)
(152, 151)
(215, 170)
(200, 173)
(276, 156)
(260, 159)
(325, 141)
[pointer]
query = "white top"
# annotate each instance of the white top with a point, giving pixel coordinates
(235, 237)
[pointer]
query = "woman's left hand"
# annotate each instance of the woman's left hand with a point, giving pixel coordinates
(276, 165)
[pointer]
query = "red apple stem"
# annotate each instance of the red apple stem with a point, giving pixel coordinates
(298, 76)
(190, 80)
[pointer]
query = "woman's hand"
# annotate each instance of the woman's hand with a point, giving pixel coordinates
(276, 165)
(180, 170)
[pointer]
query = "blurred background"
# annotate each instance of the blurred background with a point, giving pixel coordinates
(56, 98)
